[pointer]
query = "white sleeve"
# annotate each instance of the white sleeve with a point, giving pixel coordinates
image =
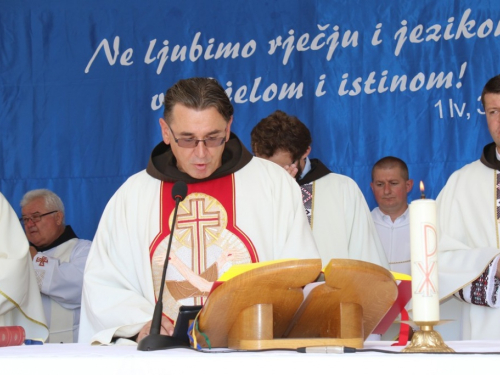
(62, 281)
(364, 239)
(118, 294)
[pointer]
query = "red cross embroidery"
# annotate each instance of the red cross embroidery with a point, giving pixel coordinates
(199, 224)
(42, 260)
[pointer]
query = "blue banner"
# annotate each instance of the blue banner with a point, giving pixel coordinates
(81, 84)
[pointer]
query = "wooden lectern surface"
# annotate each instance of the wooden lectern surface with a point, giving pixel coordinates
(278, 284)
(354, 292)
(265, 307)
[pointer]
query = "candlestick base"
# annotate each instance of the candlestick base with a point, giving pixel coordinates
(426, 340)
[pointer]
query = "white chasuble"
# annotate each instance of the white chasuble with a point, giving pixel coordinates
(254, 214)
(468, 242)
(340, 220)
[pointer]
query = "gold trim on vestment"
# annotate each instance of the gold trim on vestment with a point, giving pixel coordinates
(312, 203)
(496, 208)
(19, 307)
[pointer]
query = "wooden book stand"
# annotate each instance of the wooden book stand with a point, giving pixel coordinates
(265, 308)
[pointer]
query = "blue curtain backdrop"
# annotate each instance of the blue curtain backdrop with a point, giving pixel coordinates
(81, 84)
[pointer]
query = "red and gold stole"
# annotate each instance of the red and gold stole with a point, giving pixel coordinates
(206, 242)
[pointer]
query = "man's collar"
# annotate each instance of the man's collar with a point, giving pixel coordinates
(401, 217)
(318, 170)
(490, 156)
(307, 168)
(67, 235)
(163, 165)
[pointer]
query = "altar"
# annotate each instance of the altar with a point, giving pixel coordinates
(116, 359)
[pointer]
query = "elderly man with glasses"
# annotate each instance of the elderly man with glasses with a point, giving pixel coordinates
(59, 258)
(238, 209)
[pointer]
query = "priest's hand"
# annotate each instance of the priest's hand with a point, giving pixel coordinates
(291, 169)
(167, 328)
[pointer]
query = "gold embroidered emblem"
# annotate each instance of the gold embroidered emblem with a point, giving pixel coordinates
(202, 250)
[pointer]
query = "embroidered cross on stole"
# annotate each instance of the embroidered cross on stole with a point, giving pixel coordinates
(206, 243)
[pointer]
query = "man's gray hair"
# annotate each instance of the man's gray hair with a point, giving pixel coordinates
(52, 200)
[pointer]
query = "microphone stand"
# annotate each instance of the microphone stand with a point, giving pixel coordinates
(156, 341)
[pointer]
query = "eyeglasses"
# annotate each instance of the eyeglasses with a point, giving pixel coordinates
(192, 143)
(35, 218)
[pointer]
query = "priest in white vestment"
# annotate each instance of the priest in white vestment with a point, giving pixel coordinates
(20, 301)
(468, 229)
(238, 209)
(335, 206)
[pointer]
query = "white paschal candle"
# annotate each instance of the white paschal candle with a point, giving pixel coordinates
(424, 267)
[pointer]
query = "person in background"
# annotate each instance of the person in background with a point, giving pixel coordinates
(335, 207)
(468, 217)
(58, 257)
(390, 185)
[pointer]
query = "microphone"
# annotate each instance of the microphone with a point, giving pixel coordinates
(156, 341)
(179, 192)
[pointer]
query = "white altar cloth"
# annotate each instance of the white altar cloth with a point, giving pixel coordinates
(94, 360)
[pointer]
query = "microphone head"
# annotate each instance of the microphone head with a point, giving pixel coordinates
(179, 191)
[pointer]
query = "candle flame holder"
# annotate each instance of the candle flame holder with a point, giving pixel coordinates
(426, 340)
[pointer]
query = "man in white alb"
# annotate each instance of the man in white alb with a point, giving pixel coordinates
(238, 209)
(335, 207)
(391, 185)
(59, 258)
(468, 209)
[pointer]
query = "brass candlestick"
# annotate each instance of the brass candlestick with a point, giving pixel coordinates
(426, 340)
